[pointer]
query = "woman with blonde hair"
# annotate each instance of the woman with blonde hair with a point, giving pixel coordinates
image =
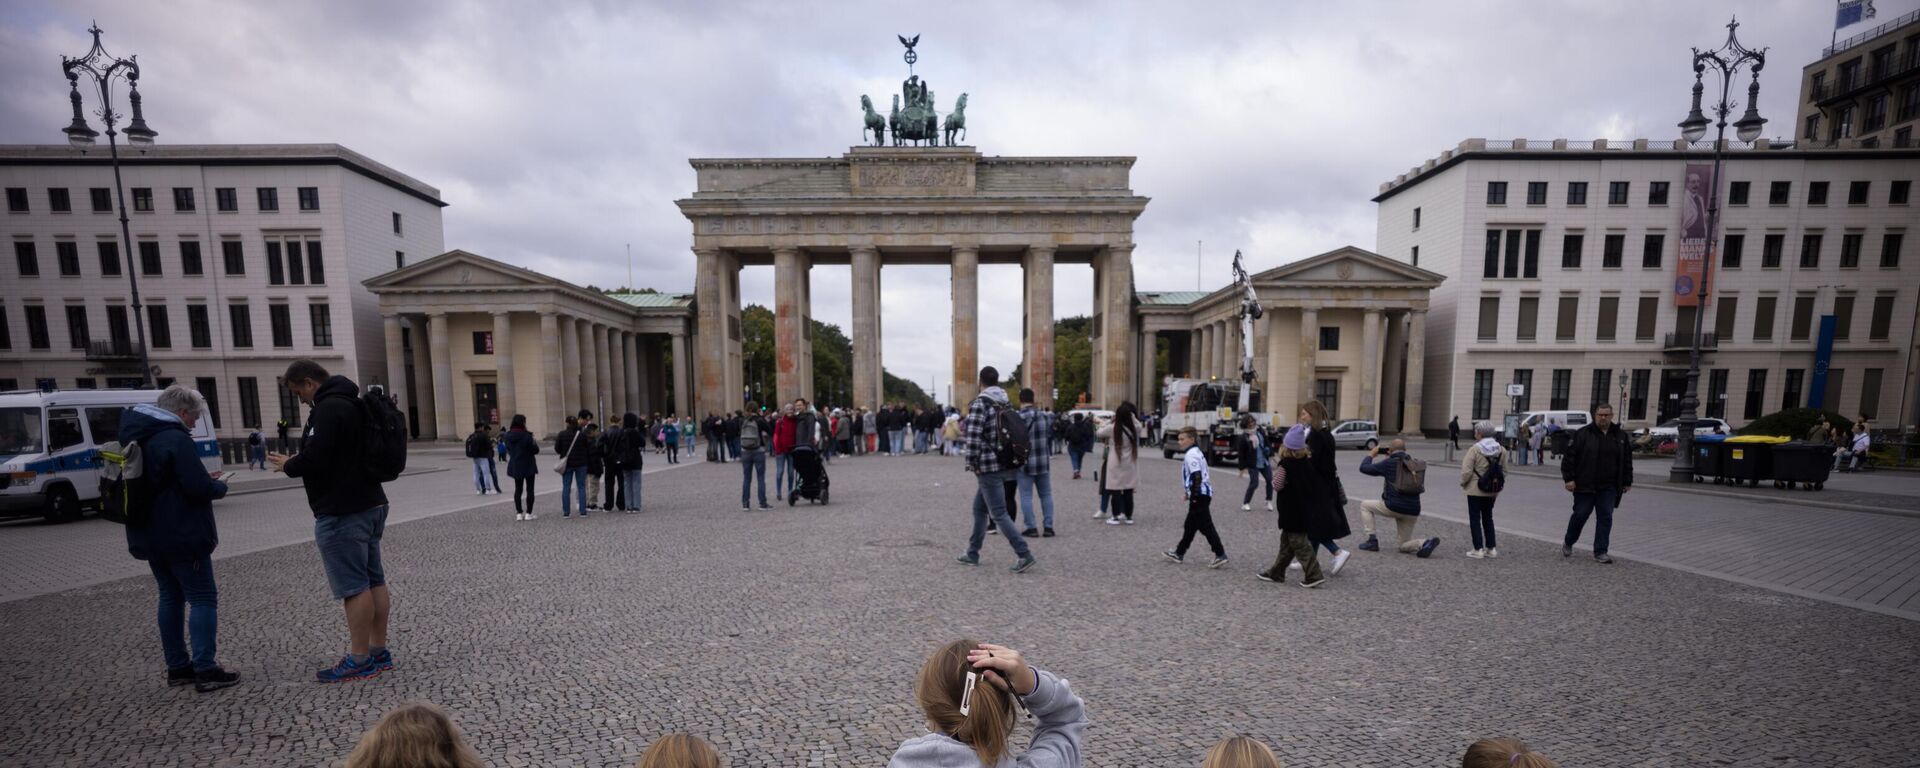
(680, 750)
(414, 735)
(1240, 752)
(969, 692)
(1504, 753)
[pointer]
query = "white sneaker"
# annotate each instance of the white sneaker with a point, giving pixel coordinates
(1339, 561)
(1478, 554)
(1491, 552)
(1097, 515)
(1246, 508)
(1269, 505)
(1128, 521)
(479, 493)
(1114, 521)
(1294, 566)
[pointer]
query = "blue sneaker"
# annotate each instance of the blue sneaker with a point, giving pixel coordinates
(347, 670)
(383, 659)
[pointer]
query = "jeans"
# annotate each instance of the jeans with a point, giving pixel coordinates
(990, 501)
(481, 476)
(1479, 519)
(632, 489)
(257, 455)
(1253, 481)
(783, 475)
(523, 485)
(752, 464)
(733, 447)
(899, 440)
(1028, 484)
(184, 583)
(1075, 455)
(1585, 504)
(573, 481)
(1523, 454)
(919, 441)
(1200, 520)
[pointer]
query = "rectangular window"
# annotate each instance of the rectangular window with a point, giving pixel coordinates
(66, 253)
(1637, 394)
(1816, 193)
(1726, 310)
(1810, 250)
(400, 258)
(269, 198)
(1607, 328)
(1576, 193)
(16, 199)
(1524, 378)
(1890, 250)
(1415, 256)
(159, 331)
(280, 324)
(1731, 250)
(235, 257)
(1737, 192)
(6, 336)
(1850, 250)
(1570, 246)
(1763, 312)
(1857, 192)
(85, 382)
(321, 317)
(249, 388)
(1756, 394)
(1496, 193)
(26, 258)
(109, 258)
(37, 336)
(316, 271)
(58, 200)
(1482, 394)
(296, 266)
(190, 258)
(1613, 251)
(77, 332)
(1512, 260)
(1529, 318)
(1536, 193)
(1562, 389)
(1530, 261)
(199, 329)
(1791, 396)
(226, 200)
(1491, 267)
(309, 198)
(1880, 324)
(149, 258)
(1717, 393)
(483, 342)
(1801, 327)
(1657, 193)
(276, 274)
(1489, 318)
(1898, 190)
(183, 199)
(1772, 249)
(289, 405)
(143, 199)
(1870, 393)
(1650, 253)
(242, 322)
(396, 221)
(1648, 318)
(209, 388)
(1778, 192)
(1836, 381)
(1842, 318)
(1602, 388)
(1567, 321)
(102, 198)
(1329, 338)
(1617, 192)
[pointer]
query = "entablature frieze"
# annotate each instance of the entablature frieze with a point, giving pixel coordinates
(1012, 221)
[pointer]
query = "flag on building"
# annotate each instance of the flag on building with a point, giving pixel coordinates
(1853, 12)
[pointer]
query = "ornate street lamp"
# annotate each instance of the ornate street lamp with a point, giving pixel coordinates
(104, 68)
(1727, 61)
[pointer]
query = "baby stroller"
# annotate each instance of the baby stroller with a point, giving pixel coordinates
(813, 477)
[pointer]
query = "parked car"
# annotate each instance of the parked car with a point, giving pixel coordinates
(1670, 429)
(1356, 434)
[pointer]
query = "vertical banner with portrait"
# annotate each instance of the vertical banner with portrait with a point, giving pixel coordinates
(1691, 271)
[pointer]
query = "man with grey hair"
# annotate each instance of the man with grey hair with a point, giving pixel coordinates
(1483, 475)
(1404, 508)
(178, 537)
(1598, 470)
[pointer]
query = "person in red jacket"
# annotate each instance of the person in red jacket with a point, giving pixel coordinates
(783, 475)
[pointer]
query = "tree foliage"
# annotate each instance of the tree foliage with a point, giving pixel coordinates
(1793, 423)
(1072, 363)
(905, 391)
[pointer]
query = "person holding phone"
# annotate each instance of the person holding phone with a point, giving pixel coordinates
(968, 692)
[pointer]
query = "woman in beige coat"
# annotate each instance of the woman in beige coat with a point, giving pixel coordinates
(1481, 457)
(1118, 471)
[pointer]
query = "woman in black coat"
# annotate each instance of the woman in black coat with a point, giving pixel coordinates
(521, 448)
(1320, 444)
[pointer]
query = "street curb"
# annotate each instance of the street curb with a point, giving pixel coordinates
(1795, 501)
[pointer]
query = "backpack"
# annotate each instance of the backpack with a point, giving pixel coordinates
(1410, 477)
(749, 435)
(1494, 478)
(476, 446)
(383, 452)
(126, 493)
(1009, 439)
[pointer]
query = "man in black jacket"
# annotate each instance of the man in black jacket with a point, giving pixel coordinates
(613, 443)
(349, 510)
(1598, 469)
(572, 444)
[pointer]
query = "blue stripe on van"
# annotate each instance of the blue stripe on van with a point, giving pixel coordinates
(208, 448)
(87, 459)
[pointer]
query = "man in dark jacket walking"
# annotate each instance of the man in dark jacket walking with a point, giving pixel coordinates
(573, 445)
(1453, 432)
(1404, 508)
(179, 538)
(613, 445)
(349, 511)
(1598, 469)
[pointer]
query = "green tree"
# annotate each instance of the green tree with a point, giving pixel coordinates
(1072, 363)
(899, 390)
(832, 365)
(757, 353)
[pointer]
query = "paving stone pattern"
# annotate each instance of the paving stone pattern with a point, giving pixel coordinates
(792, 638)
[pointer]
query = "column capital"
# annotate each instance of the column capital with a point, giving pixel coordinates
(1042, 248)
(966, 248)
(1121, 248)
(863, 248)
(501, 312)
(697, 251)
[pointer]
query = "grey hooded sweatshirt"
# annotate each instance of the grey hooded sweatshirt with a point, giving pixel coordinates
(1056, 739)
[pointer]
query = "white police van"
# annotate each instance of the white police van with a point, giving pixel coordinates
(50, 447)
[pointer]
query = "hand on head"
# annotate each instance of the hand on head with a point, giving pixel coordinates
(1003, 666)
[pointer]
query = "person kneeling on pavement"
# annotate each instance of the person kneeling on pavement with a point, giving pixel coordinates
(1403, 482)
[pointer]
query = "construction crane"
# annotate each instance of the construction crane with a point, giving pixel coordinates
(1249, 311)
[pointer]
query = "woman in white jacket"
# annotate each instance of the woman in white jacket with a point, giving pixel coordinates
(971, 720)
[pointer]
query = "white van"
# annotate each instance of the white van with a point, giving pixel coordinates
(1568, 420)
(50, 447)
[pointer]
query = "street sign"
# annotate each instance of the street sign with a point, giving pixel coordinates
(1516, 390)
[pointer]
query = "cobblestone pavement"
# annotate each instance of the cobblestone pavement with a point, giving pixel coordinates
(792, 637)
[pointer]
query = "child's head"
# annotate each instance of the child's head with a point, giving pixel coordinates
(1240, 752)
(680, 750)
(1188, 436)
(942, 685)
(1504, 753)
(414, 734)
(1294, 445)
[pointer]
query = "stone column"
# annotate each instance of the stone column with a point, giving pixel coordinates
(1277, 373)
(1203, 345)
(1117, 335)
(1370, 365)
(508, 394)
(684, 401)
(788, 323)
(441, 354)
(616, 374)
(709, 300)
(806, 329)
(602, 373)
(423, 378)
(1095, 395)
(866, 326)
(631, 353)
(966, 324)
(1146, 374)
(569, 367)
(396, 362)
(1037, 365)
(1416, 370)
(1222, 356)
(553, 407)
(592, 360)
(647, 372)
(1309, 350)
(1392, 361)
(1194, 345)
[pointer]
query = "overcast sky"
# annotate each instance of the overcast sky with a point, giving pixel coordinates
(561, 136)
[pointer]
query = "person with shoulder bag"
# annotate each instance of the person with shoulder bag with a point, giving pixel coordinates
(1483, 475)
(572, 446)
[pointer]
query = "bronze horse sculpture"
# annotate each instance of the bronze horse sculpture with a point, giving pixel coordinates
(958, 120)
(875, 123)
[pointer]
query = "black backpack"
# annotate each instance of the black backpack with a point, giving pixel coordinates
(1494, 478)
(126, 493)
(384, 444)
(477, 447)
(1009, 441)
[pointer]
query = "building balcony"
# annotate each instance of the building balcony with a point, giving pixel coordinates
(113, 350)
(1840, 89)
(1682, 342)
